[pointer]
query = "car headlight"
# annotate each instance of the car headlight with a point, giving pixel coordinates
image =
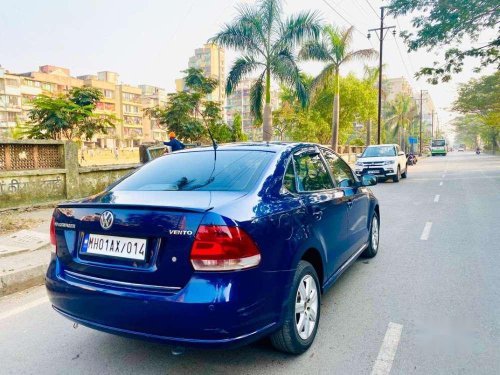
(359, 164)
(389, 162)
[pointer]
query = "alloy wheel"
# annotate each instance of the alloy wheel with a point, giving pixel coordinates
(375, 233)
(306, 307)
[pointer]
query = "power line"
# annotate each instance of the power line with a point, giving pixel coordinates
(402, 60)
(341, 16)
(407, 55)
(371, 6)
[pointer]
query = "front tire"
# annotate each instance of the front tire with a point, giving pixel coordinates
(374, 238)
(302, 313)
(397, 177)
(403, 175)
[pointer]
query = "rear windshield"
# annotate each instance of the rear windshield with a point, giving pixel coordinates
(438, 143)
(233, 171)
(371, 152)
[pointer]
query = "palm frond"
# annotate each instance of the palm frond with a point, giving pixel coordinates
(241, 67)
(285, 68)
(362, 54)
(347, 36)
(298, 28)
(270, 11)
(239, 36)
(257, 97)
(322, 80)
(315, 50)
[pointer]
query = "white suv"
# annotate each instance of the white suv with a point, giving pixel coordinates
(382, 161)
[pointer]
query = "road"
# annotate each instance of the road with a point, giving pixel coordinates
(435, 283)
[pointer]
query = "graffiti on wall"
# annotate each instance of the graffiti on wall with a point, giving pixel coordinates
(18, 185)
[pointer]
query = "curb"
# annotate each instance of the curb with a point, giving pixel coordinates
(22, 279)
(33, 274)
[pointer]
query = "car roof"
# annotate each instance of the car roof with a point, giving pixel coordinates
(252, 146)
(382, 145)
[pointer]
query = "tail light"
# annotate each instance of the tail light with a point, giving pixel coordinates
(53, 234)
(222, 248)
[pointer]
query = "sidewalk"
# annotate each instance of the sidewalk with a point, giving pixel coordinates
(24, 248)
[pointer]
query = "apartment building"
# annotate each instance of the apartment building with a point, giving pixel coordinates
(152, 97)
(211, 59)
(10, 101)
(106, 82)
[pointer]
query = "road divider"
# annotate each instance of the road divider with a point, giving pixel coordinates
(427, 231)
(387, 352)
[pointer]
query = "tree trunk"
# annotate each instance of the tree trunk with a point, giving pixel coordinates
(336, 113)
(369, 132)
(267, 125)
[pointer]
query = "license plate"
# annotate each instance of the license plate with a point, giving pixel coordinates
(114, 246)
(372, 172)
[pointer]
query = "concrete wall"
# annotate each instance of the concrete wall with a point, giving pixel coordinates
(35, 186)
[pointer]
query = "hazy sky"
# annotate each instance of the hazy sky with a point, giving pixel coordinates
(150, 41)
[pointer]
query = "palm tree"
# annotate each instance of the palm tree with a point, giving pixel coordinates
(267, 42)
(333, 49)
(399, 116)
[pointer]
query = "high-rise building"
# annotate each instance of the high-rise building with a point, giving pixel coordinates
(152, 97)
(211, 59)
(395, 86)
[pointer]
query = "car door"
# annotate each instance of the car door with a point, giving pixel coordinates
(326, 208)
(357, 199)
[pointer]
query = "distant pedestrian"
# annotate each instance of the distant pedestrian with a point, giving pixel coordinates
(116, 152)
(174, 143)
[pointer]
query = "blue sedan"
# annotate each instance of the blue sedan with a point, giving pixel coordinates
(214, 247)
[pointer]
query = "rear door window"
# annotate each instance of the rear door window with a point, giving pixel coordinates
(233, 170)
(312, 174)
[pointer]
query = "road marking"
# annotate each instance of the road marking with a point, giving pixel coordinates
(436, 198)
(20, 309)
(444, 174)
(441, 183)
(427, 231)
(387, 352)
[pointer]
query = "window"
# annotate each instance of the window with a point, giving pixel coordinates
(289, 179)
(108, 94)
(379, 151)
(11, 82)
(233, 171)
(312, 174)
(342, 174)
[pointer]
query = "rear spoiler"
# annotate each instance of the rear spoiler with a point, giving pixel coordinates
(117, 205)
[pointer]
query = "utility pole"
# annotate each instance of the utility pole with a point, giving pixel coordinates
(381, 33)
(432, 124)
(421, 99)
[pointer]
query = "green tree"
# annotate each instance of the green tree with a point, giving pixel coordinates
(334, 48)
(447, 24)
(237, 130)
(480, 99)
(267, 42)
(399, 116)
(69, 116)
(189, 115)
(359, 104)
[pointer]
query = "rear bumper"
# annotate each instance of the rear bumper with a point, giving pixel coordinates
(212, 310)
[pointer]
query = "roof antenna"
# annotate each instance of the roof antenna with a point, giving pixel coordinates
(214, 144)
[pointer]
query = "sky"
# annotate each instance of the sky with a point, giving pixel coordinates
(150, 41)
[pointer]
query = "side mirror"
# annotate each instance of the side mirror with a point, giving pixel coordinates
(367, 180)
(401, 153)
(358, 156)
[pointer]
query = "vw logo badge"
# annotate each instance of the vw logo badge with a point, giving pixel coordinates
(106, 219)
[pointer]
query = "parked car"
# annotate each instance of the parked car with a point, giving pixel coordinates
(214, 248)
(383, 161)
(461, 148)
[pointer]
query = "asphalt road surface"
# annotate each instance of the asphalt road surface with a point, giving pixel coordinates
(429, 303)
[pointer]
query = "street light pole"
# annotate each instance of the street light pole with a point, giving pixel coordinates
(381, 35)
(421, 99)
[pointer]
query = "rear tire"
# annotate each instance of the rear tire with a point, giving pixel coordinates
(403, 175)
(301, 304)
(373, 239)
(397, 177)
